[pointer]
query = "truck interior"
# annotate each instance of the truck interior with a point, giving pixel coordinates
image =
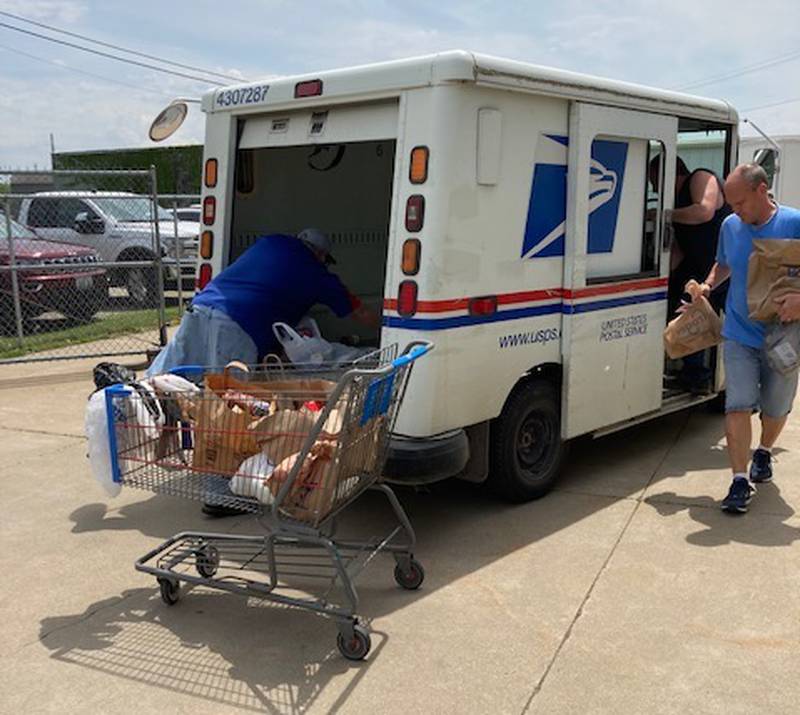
(701, 145)
(343, 189)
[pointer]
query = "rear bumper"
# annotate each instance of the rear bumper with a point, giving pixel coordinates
(424, 461)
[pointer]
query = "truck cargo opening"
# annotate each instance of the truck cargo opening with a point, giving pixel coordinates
(343, 188)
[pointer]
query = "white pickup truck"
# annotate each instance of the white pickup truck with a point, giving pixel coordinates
(120, 227)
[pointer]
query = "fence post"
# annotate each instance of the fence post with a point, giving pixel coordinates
(178, 254)
(162, 311)
(14, 277)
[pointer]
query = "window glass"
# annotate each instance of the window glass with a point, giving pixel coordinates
(766, 158)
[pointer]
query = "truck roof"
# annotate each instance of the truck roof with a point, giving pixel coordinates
(383, 79)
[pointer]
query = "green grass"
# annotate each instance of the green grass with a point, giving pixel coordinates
(102, 328)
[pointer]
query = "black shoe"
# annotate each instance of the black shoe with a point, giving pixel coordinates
(739, 496)
(761, 467)
(218, 510)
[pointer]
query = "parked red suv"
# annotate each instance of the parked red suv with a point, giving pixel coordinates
(76, 287)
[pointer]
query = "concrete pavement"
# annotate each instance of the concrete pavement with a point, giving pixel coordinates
(624, 591)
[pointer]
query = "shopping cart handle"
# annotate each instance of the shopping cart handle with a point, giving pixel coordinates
(184, 370)
(416, 352)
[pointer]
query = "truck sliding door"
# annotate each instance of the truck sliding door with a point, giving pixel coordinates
(616, 265)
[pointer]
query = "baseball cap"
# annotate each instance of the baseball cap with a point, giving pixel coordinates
(315, 239)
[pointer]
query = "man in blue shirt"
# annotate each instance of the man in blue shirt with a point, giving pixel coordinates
(750, 383)
(278, 279)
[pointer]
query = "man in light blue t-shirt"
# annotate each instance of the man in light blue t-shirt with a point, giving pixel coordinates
(750, 383)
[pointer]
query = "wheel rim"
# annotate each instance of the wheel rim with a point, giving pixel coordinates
(136, 286)
(356, 647)
(534, 443)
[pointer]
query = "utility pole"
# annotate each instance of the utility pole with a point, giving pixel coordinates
(52, 150)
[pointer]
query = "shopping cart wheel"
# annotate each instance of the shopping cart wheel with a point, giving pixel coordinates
(170, 591)
(410, 578)
(207, 560)
(357, 647)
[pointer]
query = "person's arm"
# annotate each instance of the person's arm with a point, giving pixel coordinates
(334, 294)
(716, 277)
(705, 192)
(366, 316)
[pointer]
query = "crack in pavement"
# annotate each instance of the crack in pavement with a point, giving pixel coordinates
(27, 430)
(121, 599)
(80, 619)
(604, 566)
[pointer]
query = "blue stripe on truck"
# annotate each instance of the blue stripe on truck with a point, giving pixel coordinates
(460, 321)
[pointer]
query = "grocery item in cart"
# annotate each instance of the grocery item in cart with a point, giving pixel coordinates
(252, 479)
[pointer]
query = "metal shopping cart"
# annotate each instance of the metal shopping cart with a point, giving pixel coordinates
(294, 445)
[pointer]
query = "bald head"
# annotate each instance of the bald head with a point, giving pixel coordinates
(747, 192)
(753, 175)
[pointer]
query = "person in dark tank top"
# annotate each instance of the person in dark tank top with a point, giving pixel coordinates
(699, 211)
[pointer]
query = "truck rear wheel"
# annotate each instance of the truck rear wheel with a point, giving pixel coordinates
(526, 449)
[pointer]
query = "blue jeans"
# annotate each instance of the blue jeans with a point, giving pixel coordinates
(207, 337)
(751, 384)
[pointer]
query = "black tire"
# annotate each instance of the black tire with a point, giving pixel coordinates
(170, 591)
(411, 579)
(526, 450)
(207, 561)
(357, 647)
(85, 311)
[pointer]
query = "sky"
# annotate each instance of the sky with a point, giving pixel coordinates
(90, 102)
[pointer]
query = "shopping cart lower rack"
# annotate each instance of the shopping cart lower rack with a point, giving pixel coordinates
(294, 445)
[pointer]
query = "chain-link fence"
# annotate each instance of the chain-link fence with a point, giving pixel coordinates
(92, 263)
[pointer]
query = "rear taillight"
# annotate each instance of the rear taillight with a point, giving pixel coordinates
(418, 171)
(411, 254)
(209, 210)
(312, 88)
(204, 276)
(407, 298)
(415, 213)
(211, 173)
(207, 244)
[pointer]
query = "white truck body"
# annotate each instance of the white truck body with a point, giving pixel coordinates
(538, 254)
(783, 154)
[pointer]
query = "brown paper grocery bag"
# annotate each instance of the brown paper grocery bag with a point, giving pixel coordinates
(224, 436)
(773, 270)
(696, 329)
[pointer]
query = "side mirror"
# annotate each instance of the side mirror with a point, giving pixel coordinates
(84, 223)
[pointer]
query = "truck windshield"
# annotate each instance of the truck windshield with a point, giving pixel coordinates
(136, 209)
(17, 229)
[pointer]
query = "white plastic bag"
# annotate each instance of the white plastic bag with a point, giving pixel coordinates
(171, 383)
(301, 348)
(96, 429)
(251, 478)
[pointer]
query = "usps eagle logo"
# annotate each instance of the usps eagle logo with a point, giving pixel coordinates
(547, 211)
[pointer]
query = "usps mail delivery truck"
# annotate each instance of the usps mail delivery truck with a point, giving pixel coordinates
(499, 209)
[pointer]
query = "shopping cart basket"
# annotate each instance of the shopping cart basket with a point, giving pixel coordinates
(292, 444)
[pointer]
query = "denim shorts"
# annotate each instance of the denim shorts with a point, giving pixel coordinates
(752, 385)
(207, 337)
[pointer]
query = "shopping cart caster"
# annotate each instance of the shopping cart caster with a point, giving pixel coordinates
(170, 591)
(357, 646)
(409, 574)
(207, 560)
